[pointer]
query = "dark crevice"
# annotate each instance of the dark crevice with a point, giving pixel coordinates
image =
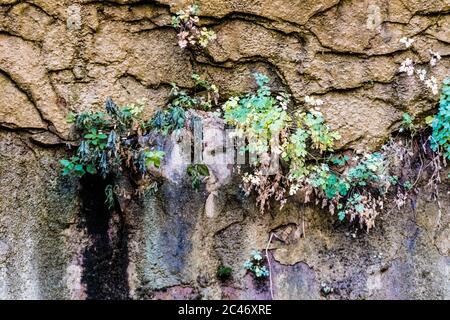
(105, 259)
(9, 126)
(264, 22)
(151, 86)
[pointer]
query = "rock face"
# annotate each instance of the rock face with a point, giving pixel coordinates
(40, 244)
(57, 238)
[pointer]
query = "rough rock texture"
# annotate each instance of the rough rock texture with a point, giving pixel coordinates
(40, 243)
(57, 239)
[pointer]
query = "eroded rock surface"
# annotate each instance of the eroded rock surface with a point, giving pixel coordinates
(40, 243)
(70, 55)
(61, 56)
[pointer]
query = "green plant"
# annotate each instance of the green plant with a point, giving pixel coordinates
(169, 120)
(338, 160)
(148, 158)
(109, 196)
(258, 116)
(440, 137)
(113, 140)
(352, 186)
(189, 33)
(197, 172)
(76, 167)
(408, 124)
(408, 185)
(109, 142)
(203, 97)
(263, 119)
(211, 96)
(256, 265)
(358, 191)
(224, 272)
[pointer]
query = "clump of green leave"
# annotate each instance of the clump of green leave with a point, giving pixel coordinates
(407, 124)
(110, 142)
(204, 96)
(263, 119)
(168, 120)
(256, 265)
(224, 272)
(358, 190)
(197, 173)
(186, 22)
(208, 93)
(109, 196)
(440, 137)
(352, 187)
(257, 116)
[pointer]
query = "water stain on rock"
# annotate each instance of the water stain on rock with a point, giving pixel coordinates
(105, 260)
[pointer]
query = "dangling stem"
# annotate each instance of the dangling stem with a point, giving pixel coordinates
(268, 262)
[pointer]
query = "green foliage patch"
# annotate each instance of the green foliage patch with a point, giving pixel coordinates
(351, 186)
(197, 172)
(441, 122)
(204, 96)
(224, 272)
(256, 265)
(110, 142)
(113, 140)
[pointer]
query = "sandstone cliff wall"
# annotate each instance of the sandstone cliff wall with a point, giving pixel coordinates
(57, 240)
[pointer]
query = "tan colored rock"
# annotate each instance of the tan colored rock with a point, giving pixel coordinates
(27, 21)
(360, 120)
(59, 48)
(121, 51)
(366, 30)
(110, 44)
(53, 8)
(424, 6)
(16, 110)
(155, 58)
(441, 30)
(22, 61)
(109, 83)
(238, 39)
(134, 13)
(46, 138)
(332, 71)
